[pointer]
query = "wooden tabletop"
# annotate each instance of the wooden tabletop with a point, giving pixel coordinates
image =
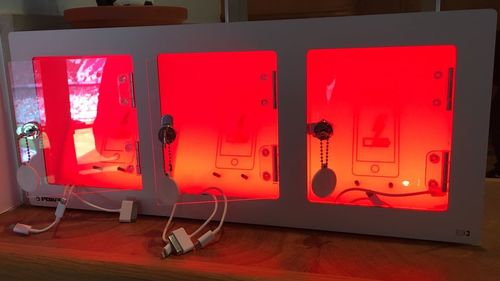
(94, 246)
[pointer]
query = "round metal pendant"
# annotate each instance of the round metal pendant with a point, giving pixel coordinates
(324, 182)
(28, 178)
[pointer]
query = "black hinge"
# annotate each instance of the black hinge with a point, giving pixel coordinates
(445, 170)
(275, 90)
(449, 97)
(275, 164)
(138, 154)
(132, 89)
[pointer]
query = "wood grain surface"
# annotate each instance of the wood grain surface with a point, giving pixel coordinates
(94, 246)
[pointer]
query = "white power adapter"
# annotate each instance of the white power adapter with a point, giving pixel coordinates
(128, 211)
(179, 243)
(26, 229)
(23, 229)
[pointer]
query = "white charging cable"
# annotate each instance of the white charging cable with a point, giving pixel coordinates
(179, 241)
(207, 221)
(26, 229)
(209, 236)
(77, 196)
(127, 211)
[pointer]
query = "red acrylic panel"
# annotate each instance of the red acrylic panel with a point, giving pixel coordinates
(224, 109)
(89, 121)
(391, 109)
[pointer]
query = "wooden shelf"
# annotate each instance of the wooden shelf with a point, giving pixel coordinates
(94, 246)
(116, 16)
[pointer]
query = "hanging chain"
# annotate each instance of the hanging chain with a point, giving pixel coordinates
(323, 130)
(20, 152)
(30, 130)
(326, 154)
(167, 135)
(324, 161)
(28, 152)
(321, 153)
(170, 166)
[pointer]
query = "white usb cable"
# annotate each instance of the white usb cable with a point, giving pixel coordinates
(207, 221)
(95, 206)
(209, 236)
(127, 211)
(179, 241)
(26, 229)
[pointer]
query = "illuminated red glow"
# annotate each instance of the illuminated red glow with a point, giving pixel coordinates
(88, 120)
(224, 109)
(391, 109)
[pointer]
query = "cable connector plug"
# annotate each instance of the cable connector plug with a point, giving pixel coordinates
(128, 211)
(60, 209)
(180, 242)
(23, 229)
(205, 239)
(167, 251)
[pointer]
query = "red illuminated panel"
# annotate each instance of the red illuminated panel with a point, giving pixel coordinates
(391, 109)
(225, 114)
(89, 121)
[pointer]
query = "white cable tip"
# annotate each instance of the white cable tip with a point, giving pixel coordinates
(205, 239)
(61, 208)
(167, 251)
(22, 229)
(180, 241)
(128, 211)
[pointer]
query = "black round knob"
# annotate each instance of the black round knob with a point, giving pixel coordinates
(323, 130)
(166, 135)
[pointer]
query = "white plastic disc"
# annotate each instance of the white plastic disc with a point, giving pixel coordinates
(324, 182)
(28, 178)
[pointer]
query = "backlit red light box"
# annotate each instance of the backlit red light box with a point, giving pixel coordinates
(88, 121)
(225, 111)
(224, 107)
(391, 110)
(381, 133)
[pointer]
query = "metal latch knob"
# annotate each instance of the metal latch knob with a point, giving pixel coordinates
(167, 133)
(322, 130)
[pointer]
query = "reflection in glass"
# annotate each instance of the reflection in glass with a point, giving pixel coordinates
(86, 109)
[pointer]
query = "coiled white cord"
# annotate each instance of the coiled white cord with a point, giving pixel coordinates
(26, 229)
(180, 242)
(95, 206)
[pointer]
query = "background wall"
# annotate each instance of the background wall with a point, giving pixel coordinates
(198, 10)
(210, 10)
(277, 9)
